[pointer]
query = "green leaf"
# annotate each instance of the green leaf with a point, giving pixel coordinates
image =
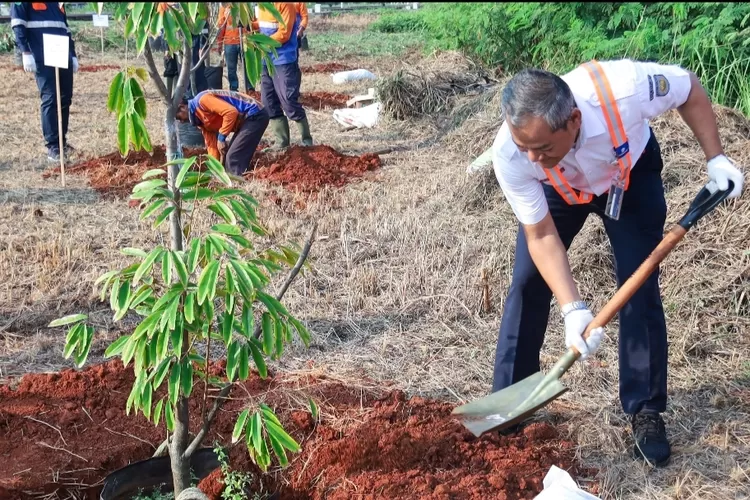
(188, 163)
(142, 74)
(240, 425)
(163, 216)
(248, 321)
(194, 255)
(280, 434)
(268, 333)
(146, 400)
(116, 347)
(123, 133)
(257, 426)
(244, 363)
(114, 97)
(239, 211)
(141, 132)
(226, 327)
(226, 228)
(174, 383)
(301, 330)
(186, 31)
(180, 267)
(189, 308)
(176, 337)
(272, 304)
(169, 417)
(72, 340)
(139, 98)
(157, 411)
(66, 320)
(207, 282)
(278, 449)
(186, 378)
(123, 296)
(232, 360)
(222, 210)
(197, 193)
(149, 184)
(161, 371)
(162, 344)
(313, 409)
(154, 171)
(170, 31)
(217, 169)
(280, 336)
(129, 350)
(113, 294)
(245, 284)
(147, 263)
(260, 362)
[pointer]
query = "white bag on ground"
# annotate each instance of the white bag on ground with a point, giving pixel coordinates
(365, 117)
(353, 75)
(484, 161)
(558, 485)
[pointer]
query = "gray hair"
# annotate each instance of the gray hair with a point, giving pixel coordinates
(537, 93)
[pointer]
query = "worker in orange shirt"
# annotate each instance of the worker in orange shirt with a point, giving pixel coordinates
(217, 113)
(302, 18)
(228, 38)
(280, 92)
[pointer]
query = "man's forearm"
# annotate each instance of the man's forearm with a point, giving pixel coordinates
(549, 255)
(699, 116)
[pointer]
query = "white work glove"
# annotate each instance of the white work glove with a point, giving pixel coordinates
(29, 64)
(575, 324)
(75, 65)
(720, 172)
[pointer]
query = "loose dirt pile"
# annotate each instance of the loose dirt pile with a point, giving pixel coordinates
(114, 176)
(97, 67)
(333, 67)
(67, 431)
(308, 169)
(316, 100)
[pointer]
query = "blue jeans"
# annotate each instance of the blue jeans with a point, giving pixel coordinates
(643, 332)
(232, 57)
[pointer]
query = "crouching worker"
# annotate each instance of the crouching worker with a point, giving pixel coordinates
(217, 113)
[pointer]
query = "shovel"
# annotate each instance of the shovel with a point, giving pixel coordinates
(513, 404)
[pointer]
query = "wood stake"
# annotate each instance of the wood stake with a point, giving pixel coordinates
(59, 125)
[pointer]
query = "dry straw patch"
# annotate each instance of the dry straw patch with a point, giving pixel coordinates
(395, 292)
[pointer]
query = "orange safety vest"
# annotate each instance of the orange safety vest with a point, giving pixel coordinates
(616, 133)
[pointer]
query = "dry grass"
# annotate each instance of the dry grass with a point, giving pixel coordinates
(395, 294)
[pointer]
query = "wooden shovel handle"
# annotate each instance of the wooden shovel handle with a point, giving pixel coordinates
(639, 277)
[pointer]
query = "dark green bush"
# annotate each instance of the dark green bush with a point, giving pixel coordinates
(708, 38)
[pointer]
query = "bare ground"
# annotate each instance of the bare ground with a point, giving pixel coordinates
(396, 290)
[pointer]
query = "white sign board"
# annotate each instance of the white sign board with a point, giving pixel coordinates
(56, 50)
(317, 8)
(415, 5)
(101, 21)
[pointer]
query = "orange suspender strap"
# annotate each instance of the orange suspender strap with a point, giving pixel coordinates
(612, 116)
(616, 133)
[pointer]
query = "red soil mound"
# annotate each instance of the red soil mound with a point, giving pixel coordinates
(114, 176)
(95, 68)
(307, 169)
(315, 100)
(66, 431)
(326, 68)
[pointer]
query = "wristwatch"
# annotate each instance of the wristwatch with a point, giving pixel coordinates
(577, 305)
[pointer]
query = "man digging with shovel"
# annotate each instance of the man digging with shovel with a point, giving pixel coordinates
(217, 113)
(581, 144)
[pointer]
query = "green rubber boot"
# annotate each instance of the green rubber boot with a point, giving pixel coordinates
(280, 129)
(304, 131)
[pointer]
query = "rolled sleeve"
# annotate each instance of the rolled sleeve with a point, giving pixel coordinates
(660, 87)
(523, 191)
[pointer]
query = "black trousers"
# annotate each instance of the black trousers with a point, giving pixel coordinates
(643, 333)
(245, 142)
(280, 93)
(45, 81)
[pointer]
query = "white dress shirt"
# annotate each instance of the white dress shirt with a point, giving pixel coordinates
(643, 90)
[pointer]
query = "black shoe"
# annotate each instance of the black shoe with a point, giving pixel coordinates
(650, 438)
(53, 154)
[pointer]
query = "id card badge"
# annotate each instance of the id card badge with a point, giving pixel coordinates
(614, 200)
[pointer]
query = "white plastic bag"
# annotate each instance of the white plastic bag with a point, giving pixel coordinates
(353, 75)
(558, 485)
(365, 117)
(484, 161)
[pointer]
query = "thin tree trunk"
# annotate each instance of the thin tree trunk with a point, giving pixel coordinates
(180, 437)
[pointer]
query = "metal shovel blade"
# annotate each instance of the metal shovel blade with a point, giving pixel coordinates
(513, 404)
